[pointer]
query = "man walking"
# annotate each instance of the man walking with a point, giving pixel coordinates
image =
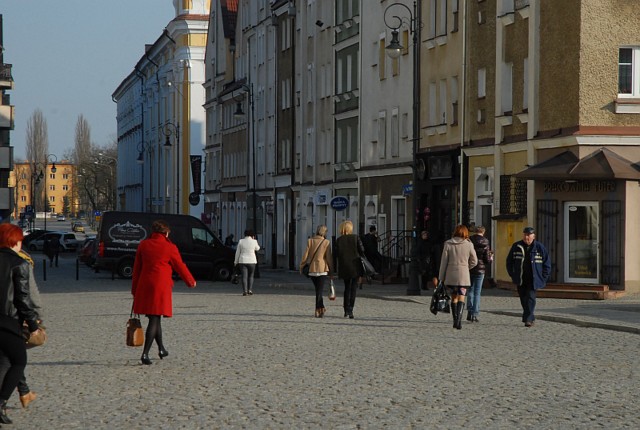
(529, 266)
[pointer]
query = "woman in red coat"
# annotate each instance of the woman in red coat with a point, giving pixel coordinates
(156, 260)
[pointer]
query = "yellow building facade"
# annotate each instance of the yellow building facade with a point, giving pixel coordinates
(35, 185)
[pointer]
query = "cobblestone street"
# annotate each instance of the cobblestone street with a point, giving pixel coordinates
(264, 361)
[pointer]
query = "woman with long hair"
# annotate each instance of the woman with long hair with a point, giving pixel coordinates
(318, 257)
(349, 248)
(16, 307)
(458, 257)
(156, 260)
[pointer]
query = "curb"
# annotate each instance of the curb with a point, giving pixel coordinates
(573, 321)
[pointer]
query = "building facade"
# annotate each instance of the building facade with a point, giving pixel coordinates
(161, 119)
(6, 125)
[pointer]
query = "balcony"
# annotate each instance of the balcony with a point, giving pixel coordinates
(6, 80)
(6, 117)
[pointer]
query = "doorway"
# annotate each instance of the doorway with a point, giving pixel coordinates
(581, 237)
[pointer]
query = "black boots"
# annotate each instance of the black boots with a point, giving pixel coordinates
(4, 419)
(457, 309)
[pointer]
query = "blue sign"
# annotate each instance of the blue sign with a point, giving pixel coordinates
(407, 189)
(339, 203)
(97, 213)
(29, 210)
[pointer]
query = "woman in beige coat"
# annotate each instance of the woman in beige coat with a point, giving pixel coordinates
(318, 256)
(458, 257)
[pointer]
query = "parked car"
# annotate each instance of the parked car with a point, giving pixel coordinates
(68, 241)
(120, 233)
(86, 252)
(78, 227)
(31, 235)
(62, 218)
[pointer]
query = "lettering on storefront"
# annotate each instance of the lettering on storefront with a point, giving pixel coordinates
(580, 187)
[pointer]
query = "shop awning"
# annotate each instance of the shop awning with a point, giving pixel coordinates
(601, 164)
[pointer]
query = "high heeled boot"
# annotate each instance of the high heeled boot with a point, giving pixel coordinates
(454, 314)
(459, 312)
(4, 419)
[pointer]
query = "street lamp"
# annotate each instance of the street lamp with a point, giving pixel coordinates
(394, 49)
(251, 163)
(51, 158)
(35, 180)
(169, 129)
(112, 196)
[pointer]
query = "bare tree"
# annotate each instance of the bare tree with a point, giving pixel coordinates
(83, 145)
(37, 149)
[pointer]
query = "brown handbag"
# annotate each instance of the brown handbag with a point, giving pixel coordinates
(135, 335)
(34, 340)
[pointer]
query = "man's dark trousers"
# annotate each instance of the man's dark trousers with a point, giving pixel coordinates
(528, 301)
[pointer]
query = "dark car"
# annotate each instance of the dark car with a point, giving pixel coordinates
(32, 235)
(86, 251)
(120, 233)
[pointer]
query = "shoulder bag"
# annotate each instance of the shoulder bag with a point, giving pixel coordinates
(34, 340)
(305, 268)
(135, 335)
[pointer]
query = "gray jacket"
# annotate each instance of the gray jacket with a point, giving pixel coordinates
(458, 257)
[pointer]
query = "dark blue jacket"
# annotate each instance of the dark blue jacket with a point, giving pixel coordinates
(540, 263)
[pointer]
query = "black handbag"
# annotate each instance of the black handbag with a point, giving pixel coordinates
(235, 277)
(366, 269)
(440, 301)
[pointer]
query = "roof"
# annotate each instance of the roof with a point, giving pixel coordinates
(229, 17)
(601, 164)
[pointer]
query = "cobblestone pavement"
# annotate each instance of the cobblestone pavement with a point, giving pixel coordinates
(264, 361)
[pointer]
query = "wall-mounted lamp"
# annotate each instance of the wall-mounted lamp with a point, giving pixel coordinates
(239, 113)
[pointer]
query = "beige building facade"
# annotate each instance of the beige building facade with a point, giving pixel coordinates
(562, 93)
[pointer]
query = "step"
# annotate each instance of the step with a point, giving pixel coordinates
(571, 294)
(589, 287)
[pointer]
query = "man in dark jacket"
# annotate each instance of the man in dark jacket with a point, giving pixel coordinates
(529, 266)
(370, 243)
(485, 256)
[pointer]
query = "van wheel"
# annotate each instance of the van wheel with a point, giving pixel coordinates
(125, 269)
(222, 272)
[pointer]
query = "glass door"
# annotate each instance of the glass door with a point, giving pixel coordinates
(581, 242)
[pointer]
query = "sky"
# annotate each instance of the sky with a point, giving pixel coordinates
(69, 56)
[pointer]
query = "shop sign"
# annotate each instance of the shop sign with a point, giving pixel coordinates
(339, 203)
(579, 186)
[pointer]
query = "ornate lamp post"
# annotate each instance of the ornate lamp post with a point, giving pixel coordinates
(35, 180)
(50, 159)
(251, 163)
(394, 49)
(170, 129)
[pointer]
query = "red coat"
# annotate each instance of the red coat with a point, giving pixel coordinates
(156, 260)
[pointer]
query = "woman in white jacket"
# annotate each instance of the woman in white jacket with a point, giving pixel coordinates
(458, 257)
(247, 260)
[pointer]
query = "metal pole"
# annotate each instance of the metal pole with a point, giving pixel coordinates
(177, 130)
(253, 160)
(414, 267)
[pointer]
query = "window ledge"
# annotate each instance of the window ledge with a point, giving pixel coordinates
(627, 105)
(508, 18)
(431, 43)
(431, 130)
(504, 120)
(441, 129)
(441, 40)
(523, 117)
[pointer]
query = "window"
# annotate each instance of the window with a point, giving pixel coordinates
(628, 71)
(382, 134)
(507, 87)
(381, 58)
(395, 133)
(432, 105)
(513, 195)
(65, 188)
(443, 102)
(482, 83)
(525, 90)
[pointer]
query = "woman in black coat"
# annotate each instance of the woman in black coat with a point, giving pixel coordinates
(15, 307)
(349, 248)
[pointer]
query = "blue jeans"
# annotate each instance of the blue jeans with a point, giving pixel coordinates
(473, 296)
